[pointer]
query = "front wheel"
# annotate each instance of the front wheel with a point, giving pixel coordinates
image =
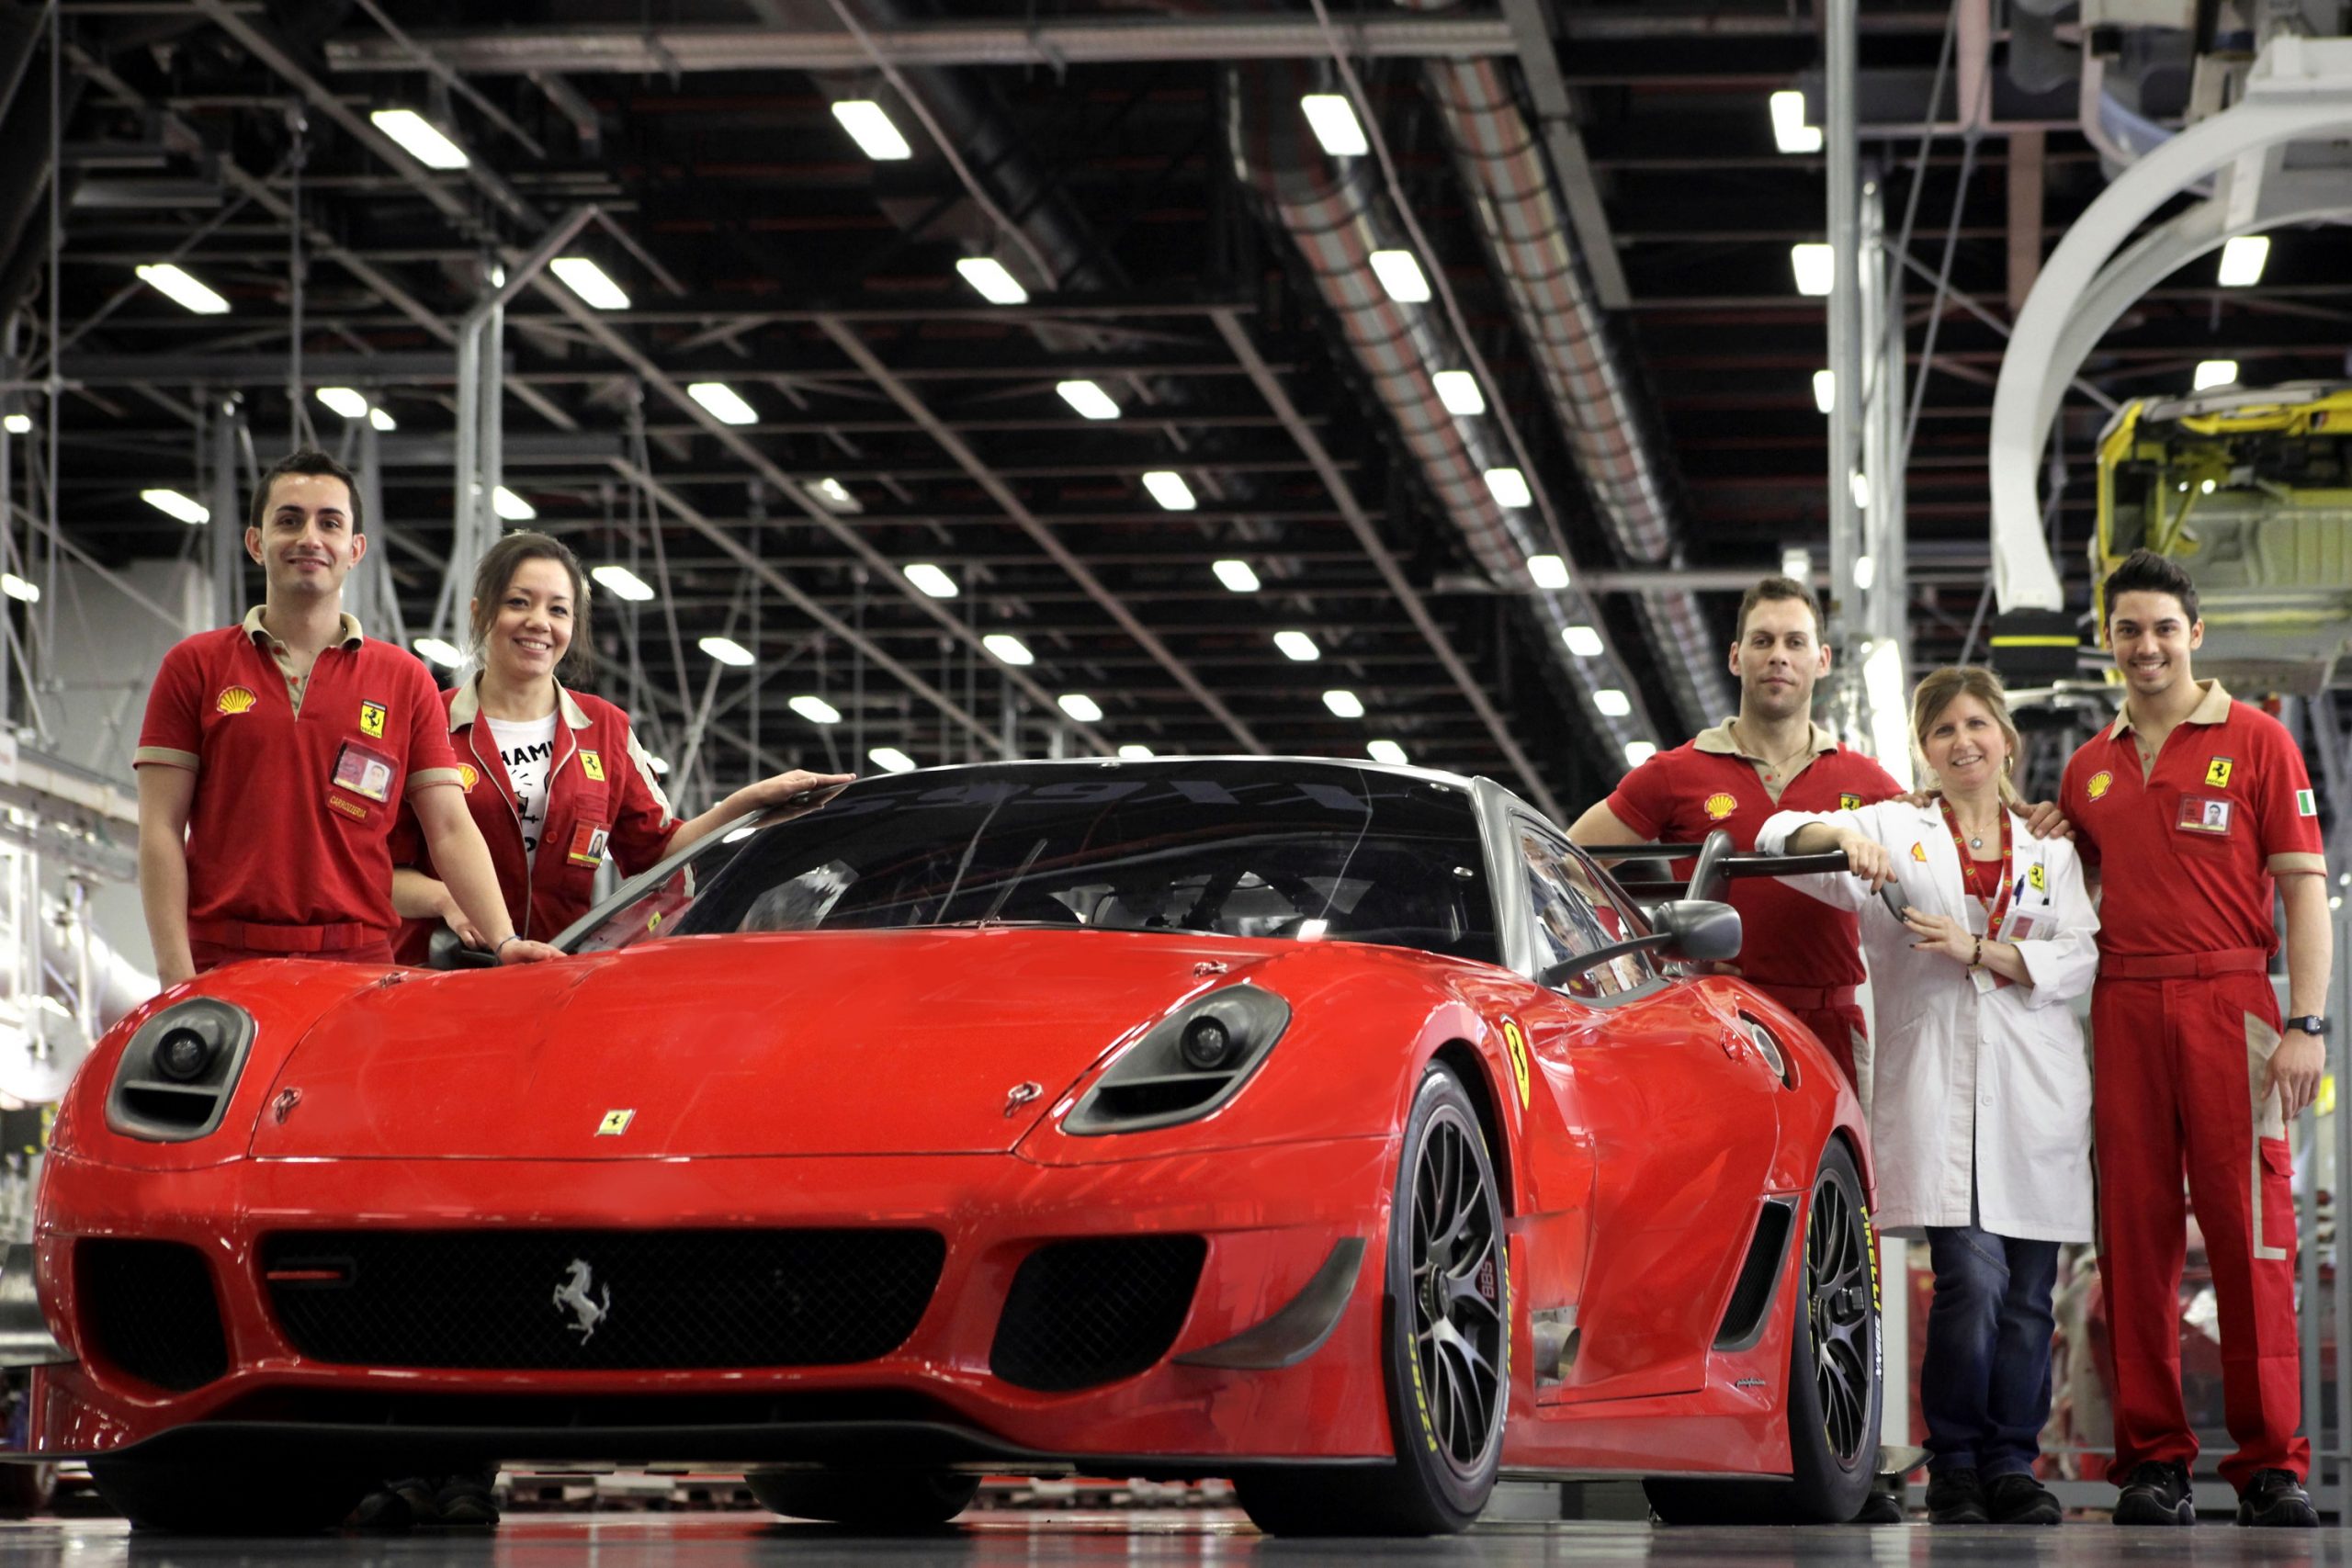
(1835, 1377)
(868, 1499)
(1445, 1347)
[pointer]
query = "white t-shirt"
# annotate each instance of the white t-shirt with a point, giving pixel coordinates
(527, 748)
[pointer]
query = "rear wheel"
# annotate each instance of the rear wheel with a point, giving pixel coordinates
(1446, 1346)
(201, 1498)
(869, 1499)
(1835, 1377)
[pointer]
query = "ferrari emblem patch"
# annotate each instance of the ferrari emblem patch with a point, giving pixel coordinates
(2217, 773)
(592, 766)
(1515, 1043)
(2306, 803)
(234, 699)
(1919, 852)
(371, 720)
(2035, 879)
(1719, 805)
(1850, 803)
(468, 776)
(615, 1123)
(2098, 785)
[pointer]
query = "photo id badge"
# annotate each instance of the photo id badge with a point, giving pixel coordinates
(364, 772)
(2203, 814)
(588, 844)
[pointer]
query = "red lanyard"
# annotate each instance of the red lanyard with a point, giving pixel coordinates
(1998, 904)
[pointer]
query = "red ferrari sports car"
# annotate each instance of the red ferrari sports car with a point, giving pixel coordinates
(1336, 1128)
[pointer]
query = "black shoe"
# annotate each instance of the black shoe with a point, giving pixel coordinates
(464, 1503)
(1884, 1505)
(1955, 1498)
(397, 1505)
(2157, 1494)
(2275, 1498)
(2018, 1499)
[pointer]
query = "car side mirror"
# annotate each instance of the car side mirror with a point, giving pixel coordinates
(446, 952)
(1699, 929)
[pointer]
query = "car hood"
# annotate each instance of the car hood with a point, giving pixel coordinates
(904, 1041)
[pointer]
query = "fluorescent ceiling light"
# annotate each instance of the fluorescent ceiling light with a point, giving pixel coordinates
(1857, 485)
(2215, 373)
(1134, 752)
(1583, 641)
(512, 507)
(871, 129)
(1458, 390)
(585, 278)
(1548, 571)
(625, 583)
(420, 139)
(816, 710)
(725, 404)
(1297, 645)
(1796, 563)
(1612, 702)
(1825, 389)
(1089, 400)
(1385, 751)
(836, 496)
(183, 289)
(1865, 571)
(17, 424)
(439, 652)
(381, 420)
(1236, 575)
(1883, 688)
(726, 650)
(2243, 259)
(343, 401)
(1080, 706)
(16, 587)
(995, 285)
(1401, 273)
(932, 580)
(1790, 132)
(1816, 267)
(1333, 121)
(1638, 752)
(1510, 488)
(890, 759)
(1169, 489)
(1347, 705)
(1007, 648)
(172, 503)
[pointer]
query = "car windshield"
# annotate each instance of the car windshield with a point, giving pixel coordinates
(1221, 847)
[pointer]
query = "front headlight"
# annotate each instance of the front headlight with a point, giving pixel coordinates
(1193, 1061)
(175, 1076)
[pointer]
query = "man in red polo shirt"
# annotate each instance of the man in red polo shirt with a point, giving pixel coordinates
(2195, 810)
(1770, 757)
(276, 754)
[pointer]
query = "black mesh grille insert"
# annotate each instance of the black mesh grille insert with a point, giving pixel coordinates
(600, 1298)
(1083, 1313)
(150, 1307)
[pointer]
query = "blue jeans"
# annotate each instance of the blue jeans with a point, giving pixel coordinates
(1984, 1382)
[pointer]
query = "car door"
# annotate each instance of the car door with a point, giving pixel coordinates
(1681, 1122)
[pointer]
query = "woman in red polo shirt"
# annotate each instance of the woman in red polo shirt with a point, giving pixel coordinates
(555, 778)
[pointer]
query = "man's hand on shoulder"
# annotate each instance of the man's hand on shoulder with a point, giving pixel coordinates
(2043, 819)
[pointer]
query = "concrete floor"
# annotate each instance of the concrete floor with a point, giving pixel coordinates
(1170, 1539)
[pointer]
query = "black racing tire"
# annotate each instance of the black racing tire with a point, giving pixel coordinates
(1445, 1350)
(201, 1498)
(1836, 1377)
(900, 1500)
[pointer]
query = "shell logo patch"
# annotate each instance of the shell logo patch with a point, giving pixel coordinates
(1919, 851)
(2217, 773)
(468, 776)
(371, 720)
(1719, 805)
(592, 766)
(2098, 785)
(1850, 803)
(615, 1123)
(234, 699)
(1515, 1043)
(2035, 879)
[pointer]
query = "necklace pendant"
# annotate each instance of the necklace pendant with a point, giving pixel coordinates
(1977, 843)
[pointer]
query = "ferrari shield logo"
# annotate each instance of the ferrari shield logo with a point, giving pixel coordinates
(615, 1123)
(371, 720)
(2217, 773)
(1850, 803)
(592, 766)
(1719, 805)
(1515, 1043)
(2035, 879)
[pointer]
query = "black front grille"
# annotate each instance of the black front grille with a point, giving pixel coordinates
(1083, 1313)
(150, 1308)
(611, 1300)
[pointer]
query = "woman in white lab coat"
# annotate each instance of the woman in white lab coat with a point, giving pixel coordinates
(1981, 1105)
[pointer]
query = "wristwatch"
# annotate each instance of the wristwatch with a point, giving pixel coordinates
(2310, 1024)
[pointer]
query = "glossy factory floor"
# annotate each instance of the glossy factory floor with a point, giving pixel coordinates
(1165, 1538)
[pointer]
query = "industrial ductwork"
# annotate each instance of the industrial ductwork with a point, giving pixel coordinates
(1336, 214)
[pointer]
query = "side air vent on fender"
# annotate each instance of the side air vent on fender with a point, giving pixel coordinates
(1751, 1296)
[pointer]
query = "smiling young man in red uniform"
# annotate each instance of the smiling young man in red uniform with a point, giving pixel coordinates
(275, 756)
(2194, 808)
(1770, 757)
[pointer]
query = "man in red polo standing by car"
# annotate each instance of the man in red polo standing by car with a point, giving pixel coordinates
(2197, 811)
(276, 755)
(1771, 756)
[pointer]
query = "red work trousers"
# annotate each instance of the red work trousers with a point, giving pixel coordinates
(2180, 1064)
(211, 955)
(1837, 1027)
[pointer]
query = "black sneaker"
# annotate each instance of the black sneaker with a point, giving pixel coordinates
(2157, 1494)
(2018, 1499)
(2275, 1498)
(1955, 1498)
(397, 1505)
(464, 1503)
